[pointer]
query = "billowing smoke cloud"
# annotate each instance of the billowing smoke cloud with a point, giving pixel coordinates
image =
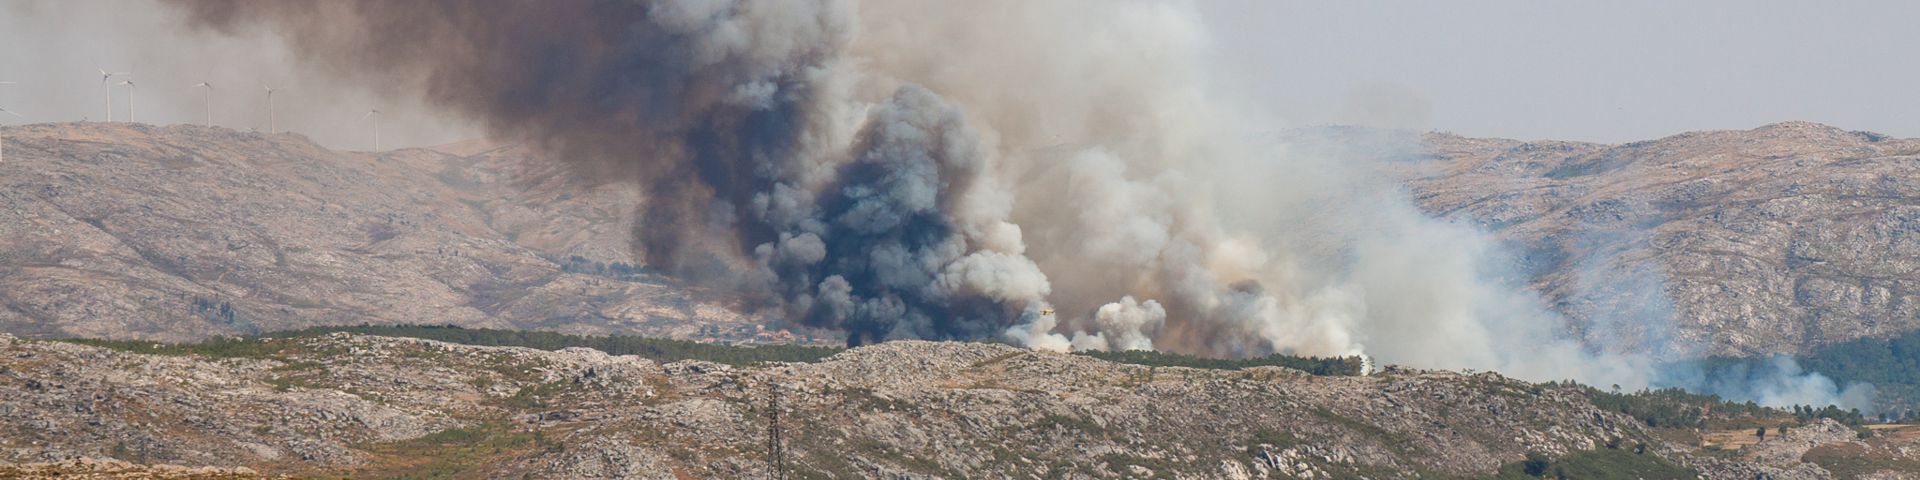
(1124, 325)
(896, 249)
(910, 170)
(927, 169)
(882, 217)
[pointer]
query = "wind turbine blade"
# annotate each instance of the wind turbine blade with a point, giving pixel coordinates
(10, 112)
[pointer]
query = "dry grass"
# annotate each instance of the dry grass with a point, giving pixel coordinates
(1896, 431)
(1732, 439)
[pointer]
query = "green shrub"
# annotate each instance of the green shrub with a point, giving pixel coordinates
(1601, 464)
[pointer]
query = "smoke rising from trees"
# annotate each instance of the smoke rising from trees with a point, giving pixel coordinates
(949, 170)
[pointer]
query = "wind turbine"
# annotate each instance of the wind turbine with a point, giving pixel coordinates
(106, 89)
(375, 114)
(129, 84)
(271, 128)
(3, 140)
(209, 88)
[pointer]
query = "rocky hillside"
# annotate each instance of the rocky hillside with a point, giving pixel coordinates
(1771, 240)
(171, 233)
(380, 406)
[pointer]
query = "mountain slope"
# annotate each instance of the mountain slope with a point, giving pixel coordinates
(1772, 240)
(133, 231)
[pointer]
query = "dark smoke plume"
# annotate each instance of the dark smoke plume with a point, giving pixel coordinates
(908, 169)
(720, 108)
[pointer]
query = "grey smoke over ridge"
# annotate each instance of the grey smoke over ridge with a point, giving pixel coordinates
(788, 150)
(1625, 296)
(1779, 381)
(866, 216)
(944, 170)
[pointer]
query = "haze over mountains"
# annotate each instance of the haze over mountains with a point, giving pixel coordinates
(186, 232)
(1776, 239)
(1765, 241)
(1062, 239)
(1772, 240)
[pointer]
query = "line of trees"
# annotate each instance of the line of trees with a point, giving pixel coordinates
(1313, 365)
(1669, 407)
(657, 349)
(579, 264)
(1892, 365)
(1678, 408)
(1851, 416)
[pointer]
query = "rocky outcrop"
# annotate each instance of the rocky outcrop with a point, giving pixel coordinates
(375, 406)
(1787, 448)
(99, 469)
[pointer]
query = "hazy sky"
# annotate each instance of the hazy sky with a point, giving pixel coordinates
(53, 49)
(1580, 70)
(1607, 71)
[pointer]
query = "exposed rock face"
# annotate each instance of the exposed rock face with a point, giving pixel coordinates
(1787, 448)
(93, 469)
(172, 233)
(376, 406)
(1771, 240)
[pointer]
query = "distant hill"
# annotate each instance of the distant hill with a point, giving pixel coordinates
(1774, 240)
(182, 232)
(1778, 239)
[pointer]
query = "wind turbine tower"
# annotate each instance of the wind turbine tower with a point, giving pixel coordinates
(209, 88)
(129, 84)
(271, 127)
(106, 89)
(375, 115)
(3, 140)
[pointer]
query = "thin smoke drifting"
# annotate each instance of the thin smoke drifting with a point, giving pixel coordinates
(948, 170)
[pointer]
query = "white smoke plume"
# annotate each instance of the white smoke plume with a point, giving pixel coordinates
(928, 169)
(1625, 299)
(1774, 381)
(1124, 325)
